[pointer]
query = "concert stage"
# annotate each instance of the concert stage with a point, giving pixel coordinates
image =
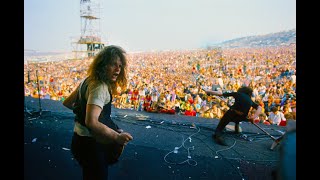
(172, 147)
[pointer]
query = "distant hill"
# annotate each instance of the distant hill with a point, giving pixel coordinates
(267, 40)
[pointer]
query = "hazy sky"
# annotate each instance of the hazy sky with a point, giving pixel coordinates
(144, 25)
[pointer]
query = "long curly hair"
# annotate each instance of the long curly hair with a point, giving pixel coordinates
(246, 90)
(97, 69)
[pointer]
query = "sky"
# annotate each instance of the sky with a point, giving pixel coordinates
(155, 25)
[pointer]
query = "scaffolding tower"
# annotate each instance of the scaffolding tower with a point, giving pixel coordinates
(89, 43)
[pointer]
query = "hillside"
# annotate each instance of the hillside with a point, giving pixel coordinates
(267, 40)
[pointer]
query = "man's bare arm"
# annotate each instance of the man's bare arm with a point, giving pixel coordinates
(101, 132)
(209, 92)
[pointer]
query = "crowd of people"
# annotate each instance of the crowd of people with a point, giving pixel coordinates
(172, 82)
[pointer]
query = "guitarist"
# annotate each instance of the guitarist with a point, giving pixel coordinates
(96, 137)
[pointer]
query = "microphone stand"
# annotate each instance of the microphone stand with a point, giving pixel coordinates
(25, 104)
(40, 109)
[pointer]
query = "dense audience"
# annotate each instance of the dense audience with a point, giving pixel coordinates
(171, 81)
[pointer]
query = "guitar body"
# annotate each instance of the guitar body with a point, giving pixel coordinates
(114, 151)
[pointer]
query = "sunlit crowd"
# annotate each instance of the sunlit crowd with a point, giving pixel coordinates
(171, 82)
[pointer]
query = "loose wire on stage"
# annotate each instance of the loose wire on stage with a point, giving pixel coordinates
(190, 161)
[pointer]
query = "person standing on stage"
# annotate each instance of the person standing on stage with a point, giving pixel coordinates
(94, 130)
(238, 111)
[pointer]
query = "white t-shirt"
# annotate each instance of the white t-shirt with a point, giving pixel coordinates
(276, 118)
(142, 93)
(98, 96)
(154, 98)
(293, 78)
